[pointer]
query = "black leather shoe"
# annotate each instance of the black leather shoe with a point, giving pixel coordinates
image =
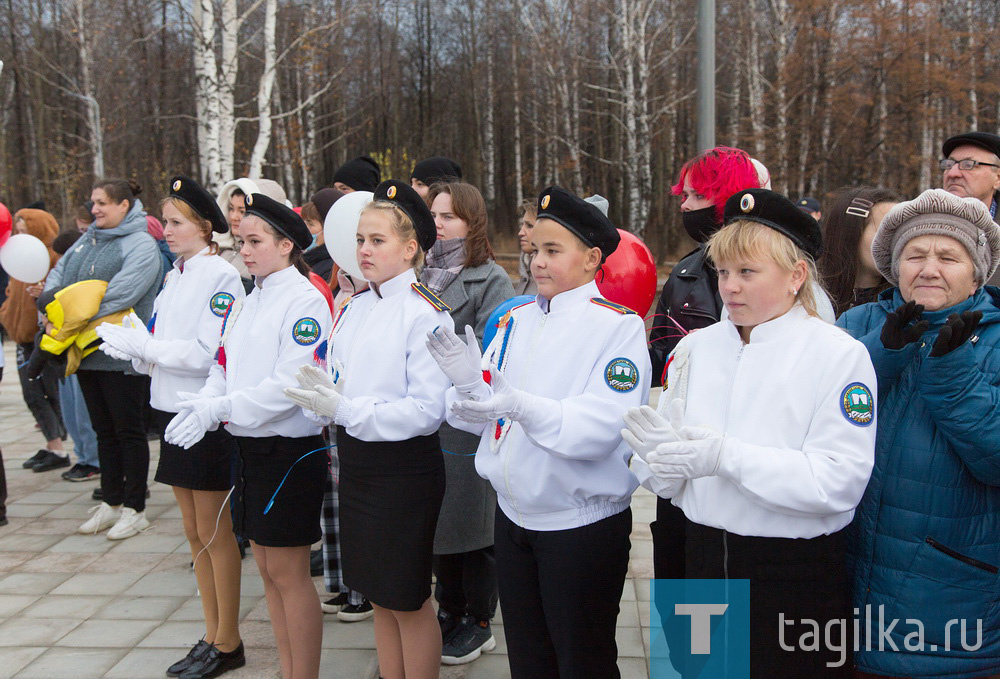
(195, 654)
(215, 663)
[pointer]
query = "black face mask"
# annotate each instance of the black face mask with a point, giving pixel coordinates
(700, 224)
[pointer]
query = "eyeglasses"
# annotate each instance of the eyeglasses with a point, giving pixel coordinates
(965, 165)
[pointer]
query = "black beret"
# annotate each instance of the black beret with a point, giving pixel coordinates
(201, 201)
(436, 169)
(584, 219)
(281, 217)
(361, 174)
(409, 201)
(983, 140)
(774, 210)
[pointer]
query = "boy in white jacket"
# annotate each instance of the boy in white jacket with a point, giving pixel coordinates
(562, 370)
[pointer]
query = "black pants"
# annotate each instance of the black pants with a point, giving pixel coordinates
(467, 583)
(797, 578)
(41, 394)
(668, 541)
(559, 591)
(117, 405)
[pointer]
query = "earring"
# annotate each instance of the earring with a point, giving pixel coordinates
(794, 291)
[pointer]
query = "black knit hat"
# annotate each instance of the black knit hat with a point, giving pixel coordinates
(983, 140)
(584, 219)
(778, 212)
(436, 169)
(409, 201)
(201, 201)
(361, 174)
(281, 217)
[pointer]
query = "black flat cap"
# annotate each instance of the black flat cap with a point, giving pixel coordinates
(809, 204)
(361, 174)
(774, 210)
(201, 201)
(983, 140)
(436, 169)
(584, 219)
(281, 217)
(409, 201)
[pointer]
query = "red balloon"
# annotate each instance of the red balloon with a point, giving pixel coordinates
(628, 276)
(6, 223)
(322, 286)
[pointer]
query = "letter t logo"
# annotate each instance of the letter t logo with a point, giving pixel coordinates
(701, 624)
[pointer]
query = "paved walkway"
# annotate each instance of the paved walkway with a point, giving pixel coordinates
(84, 607)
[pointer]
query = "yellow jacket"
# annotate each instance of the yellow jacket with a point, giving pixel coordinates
(74, 328)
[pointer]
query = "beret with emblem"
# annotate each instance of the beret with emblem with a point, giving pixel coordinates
(403, 196)
(200, 200)
(584, 219)
(281, 217)
(778, 212)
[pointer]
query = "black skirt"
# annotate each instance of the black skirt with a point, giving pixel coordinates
(208, 465)
(390, 497)
(293, 519)
(797, 578)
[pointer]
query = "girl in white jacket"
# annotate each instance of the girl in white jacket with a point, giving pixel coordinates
(770, 438)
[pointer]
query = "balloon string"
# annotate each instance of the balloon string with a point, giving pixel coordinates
(318, 450)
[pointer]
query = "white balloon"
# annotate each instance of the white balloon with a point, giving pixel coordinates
(340, 230)
(25, 258)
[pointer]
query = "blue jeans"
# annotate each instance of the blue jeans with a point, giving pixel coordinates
(77, 420)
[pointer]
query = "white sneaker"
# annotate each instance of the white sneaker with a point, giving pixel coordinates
(104, 516)
(131, 523)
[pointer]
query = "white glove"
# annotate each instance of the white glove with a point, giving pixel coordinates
(506, 403)
(461, 362)
(646, 428)
(114, 353)
(127, 340)
(197, 416)
(309, 377)
(695, 456)
(321, 399)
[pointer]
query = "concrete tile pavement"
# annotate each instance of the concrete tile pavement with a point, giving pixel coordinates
(85, 607)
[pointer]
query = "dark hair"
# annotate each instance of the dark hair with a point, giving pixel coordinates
(468, 205)
(119, 190)
(64, 241)
(310, 211)
(295, 257)
(844, 224)
(83, 214)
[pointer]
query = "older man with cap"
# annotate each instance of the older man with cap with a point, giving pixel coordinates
(924, 545)
(971, 169)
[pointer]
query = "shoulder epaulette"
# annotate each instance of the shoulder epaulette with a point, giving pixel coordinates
(608, 304)
(431, 298)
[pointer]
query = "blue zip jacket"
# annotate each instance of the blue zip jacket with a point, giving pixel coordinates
(925, 541)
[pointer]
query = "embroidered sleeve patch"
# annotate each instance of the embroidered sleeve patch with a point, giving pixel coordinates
(857, 404)
(305, 331)
(220, 303)
(621, 375)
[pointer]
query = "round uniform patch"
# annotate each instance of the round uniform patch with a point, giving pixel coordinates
(248, 200)
(177, 185)
(621, 375)
(305, 331)
(857, 404)
(746, 203)
(545, 201)
(220, 303)
(391, 193)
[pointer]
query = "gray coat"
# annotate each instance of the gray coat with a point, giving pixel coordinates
(125, 256)
(466, 520)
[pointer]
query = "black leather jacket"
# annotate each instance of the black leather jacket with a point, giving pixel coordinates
(691, 298)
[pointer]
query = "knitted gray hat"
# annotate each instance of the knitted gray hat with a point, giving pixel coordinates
(938, 212)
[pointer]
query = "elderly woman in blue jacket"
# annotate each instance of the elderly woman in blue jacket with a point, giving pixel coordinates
(925, 545)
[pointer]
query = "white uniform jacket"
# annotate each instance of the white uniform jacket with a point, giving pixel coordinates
(587, 359)
(797, 407)
(392, 387)
(186, 325)
(264, 343)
